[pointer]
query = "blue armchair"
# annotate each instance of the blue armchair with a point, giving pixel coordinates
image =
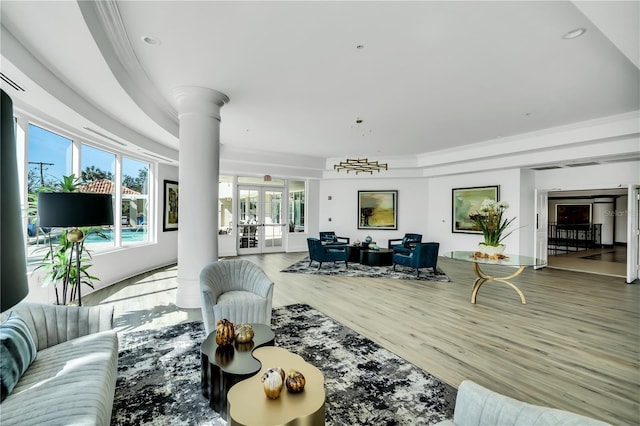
(407, 243)
(331, 238)
(424, 255)
(327, 253)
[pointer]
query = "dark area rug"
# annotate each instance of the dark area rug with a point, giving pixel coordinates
(358, 270)
(159, 375)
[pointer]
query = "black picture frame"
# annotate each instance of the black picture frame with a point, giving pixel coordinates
(170, 209)
(573, 214)
(467, 201)
(378, 209)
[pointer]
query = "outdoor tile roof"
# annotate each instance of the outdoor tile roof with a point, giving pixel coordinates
(105, 186)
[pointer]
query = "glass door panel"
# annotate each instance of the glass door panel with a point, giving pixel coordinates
(260, 226)
(248, 225)
(273, 225)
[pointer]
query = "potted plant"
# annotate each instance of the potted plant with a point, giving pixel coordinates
(63, 273)
(489, 220)
(61, 270)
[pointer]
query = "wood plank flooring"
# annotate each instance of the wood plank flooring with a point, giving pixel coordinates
(605, 261)
(575, 345)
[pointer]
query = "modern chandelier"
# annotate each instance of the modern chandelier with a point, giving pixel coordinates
(360, 165)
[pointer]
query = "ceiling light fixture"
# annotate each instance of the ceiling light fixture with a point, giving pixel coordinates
(360, 165)
(574, 33)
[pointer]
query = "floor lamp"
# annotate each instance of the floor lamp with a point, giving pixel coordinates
(74, 209)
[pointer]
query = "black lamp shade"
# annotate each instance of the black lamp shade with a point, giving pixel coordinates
(61, 209)
(13, 266)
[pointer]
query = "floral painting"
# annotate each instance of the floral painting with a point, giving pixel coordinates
(378, 209)
(467, 202)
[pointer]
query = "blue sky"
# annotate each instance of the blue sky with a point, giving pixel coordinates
(48, 147)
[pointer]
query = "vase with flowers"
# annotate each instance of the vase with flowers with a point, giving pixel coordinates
(489, 219)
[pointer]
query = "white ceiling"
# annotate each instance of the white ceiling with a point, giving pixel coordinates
(430, 75)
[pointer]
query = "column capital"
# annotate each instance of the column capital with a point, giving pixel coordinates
(199, 100)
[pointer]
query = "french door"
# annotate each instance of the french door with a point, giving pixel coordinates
(260, 225)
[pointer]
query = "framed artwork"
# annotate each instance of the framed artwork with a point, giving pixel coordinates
(573, 214)
(467, 201)
(377, 209)
(170, 210)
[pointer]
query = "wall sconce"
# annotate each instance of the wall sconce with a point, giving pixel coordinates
(267, 178)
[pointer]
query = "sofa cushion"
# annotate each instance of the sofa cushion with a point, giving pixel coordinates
(17, 352)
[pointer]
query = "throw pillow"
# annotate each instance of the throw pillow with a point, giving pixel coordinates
(17, 352)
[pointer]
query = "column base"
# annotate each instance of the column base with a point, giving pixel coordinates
(188, 296)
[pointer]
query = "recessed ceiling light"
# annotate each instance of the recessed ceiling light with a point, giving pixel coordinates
(151, 41)
(574, 33)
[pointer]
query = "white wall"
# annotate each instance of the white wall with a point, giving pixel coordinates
(439, 209)
(622, 210)
(117, 265)
(527, 213)
(614, 175)
(342, 209)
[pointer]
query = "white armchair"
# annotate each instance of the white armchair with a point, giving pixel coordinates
(477, 406)
(237, 290)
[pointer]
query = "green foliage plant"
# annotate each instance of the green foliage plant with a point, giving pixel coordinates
(489, 220)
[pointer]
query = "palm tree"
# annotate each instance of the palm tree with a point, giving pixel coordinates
(93, 173)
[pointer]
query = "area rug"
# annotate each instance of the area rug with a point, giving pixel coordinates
(159, 375)
(358, 270)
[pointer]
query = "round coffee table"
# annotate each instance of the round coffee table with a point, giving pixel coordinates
(379, 257)
(224, 366)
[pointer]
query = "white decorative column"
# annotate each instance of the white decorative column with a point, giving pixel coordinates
(199, 115)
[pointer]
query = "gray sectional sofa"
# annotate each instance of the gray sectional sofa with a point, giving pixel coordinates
(72, 379)
(477, 405)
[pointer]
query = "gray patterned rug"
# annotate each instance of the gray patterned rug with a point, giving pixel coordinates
(358, 270)
(159, 375)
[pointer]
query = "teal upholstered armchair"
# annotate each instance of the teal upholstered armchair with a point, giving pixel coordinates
(405, 244)
(330, 237)
(326, 253)
(424, 255)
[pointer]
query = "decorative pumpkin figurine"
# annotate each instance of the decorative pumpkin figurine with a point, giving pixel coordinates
(295, 381)
(273, 381)
(225, 332)
(244, 333)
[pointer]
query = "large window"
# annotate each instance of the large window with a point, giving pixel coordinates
(135, 201)
(98, 168)
(296, 205)
(49, 160)
(52, 162)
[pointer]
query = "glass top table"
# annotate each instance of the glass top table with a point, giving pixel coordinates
(513, 260)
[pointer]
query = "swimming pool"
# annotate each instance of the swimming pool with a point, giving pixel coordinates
(133, 235)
